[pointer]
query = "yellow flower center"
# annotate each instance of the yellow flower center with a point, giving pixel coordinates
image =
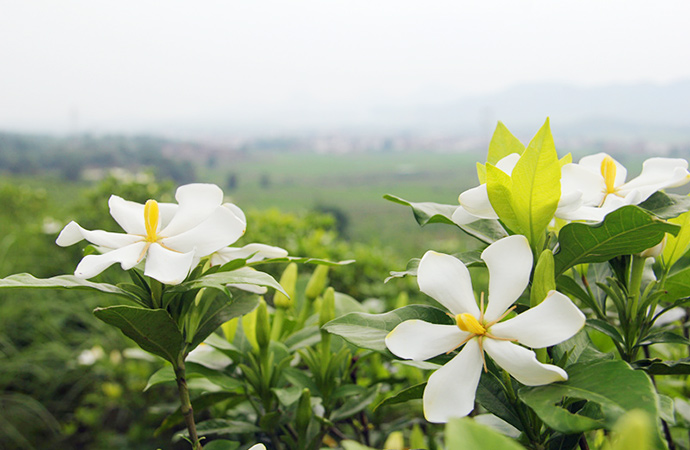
(467, 322)
(151, 217)
(608, 171)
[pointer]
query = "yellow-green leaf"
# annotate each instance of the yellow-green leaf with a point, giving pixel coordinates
(536, 186)
(499, 187)
(677, 246)
(502, 144)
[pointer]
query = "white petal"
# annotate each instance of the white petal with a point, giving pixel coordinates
(509, 261)
(73, 233)
(219, 230)
(236, 210)
(590, 185)
(196, 203)
(258, 447)
(522, 363)
(128, 257)
(476, 202)
(462, 217)
(551, 322)
(508, 163)
(257, 252)
(129, 215)
(658, 173)
(593, 163)
(586, 213)
(446, 279)
(419, 340)
(167, 266)
(451, 390)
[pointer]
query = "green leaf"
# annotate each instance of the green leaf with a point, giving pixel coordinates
(427, 212)
(677, 246)
(606, 328)
(192, 371)
(202, 402)
(219, 311)
(370, 330)
(666, 337)
(485, 230)
(26, 280)
(658, 367)
(666, 206)
(222, 444)
(543, 281)
(502, 144)
(221, 427)
(354, 445)
(499, 188)
(355, 404)
(466, 434)
(677, 285)
(605, 384)
(491, 394)
(220, 280)
(152, 329)
(625, 231)
(578, 349)
(411, 393)
(536, 187)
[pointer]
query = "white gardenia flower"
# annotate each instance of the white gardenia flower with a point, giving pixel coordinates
(450, 391)
(170, 237)
(599, 180)
(254, 252)
(474, 202)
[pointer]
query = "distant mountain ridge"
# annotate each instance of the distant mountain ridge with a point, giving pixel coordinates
(612, 109)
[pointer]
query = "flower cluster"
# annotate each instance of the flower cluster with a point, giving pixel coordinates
(590, 189)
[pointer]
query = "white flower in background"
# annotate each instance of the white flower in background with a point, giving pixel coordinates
(474, 202)
(170, 237)
(251, 252)
(600, 182)
(258, 447)
(89, 356)
(450, 391)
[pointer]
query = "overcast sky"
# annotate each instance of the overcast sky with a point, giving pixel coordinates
(128, 65)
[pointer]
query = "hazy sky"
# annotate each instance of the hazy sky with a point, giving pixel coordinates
(128, 65)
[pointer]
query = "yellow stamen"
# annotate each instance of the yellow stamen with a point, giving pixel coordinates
(608, 171)
(151, 220)
(467, 322)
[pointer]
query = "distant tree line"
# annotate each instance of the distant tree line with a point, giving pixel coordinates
(70, 156)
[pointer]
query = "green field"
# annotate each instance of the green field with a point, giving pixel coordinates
(355, 184)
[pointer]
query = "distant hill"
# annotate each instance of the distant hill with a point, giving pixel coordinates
(605, 111)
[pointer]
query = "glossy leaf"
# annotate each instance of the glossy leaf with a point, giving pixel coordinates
(427, 212)
(152, 329)
(411, 393)
(467, 434)
(658, 367)
(219, 311)
(193, 371)
(666, 206)
(625, 231)
(220, 280)
(502, 144)
(536, 186)
(370, 330)
(677, 246)
(26, 280)
(606, 385)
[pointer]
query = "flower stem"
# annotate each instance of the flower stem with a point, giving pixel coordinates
(186, 405)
